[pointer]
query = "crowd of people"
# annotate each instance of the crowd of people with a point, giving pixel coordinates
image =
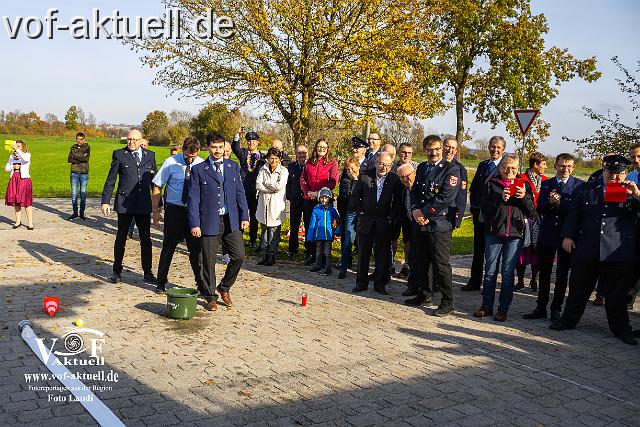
(587, 229)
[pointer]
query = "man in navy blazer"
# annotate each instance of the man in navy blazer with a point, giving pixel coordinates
(486, 169)
(134, 167)
(554, 203)
(218, 212)
(457, 209)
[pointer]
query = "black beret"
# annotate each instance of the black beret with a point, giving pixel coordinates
(358, 142)
(252, 135)
(616, 163)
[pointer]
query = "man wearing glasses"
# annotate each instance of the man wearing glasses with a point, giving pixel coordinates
(175, 174)
(434, 191)
(373, 152)
(456, 211)
(79, 159)
(377, 199)
(134, 168)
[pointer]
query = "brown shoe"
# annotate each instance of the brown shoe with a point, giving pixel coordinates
(500, 316)
(226, 298)
(211, 305)
(482, 312)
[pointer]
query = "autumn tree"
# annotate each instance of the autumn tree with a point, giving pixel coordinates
(294, 57)
(493, 58)
(402, 130)
(155, 127)
(612, 135)
(71, 118)
(215, 117)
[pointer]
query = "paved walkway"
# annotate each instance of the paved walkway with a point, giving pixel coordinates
(345, 359)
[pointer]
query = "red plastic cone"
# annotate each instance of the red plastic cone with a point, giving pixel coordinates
(51, 305)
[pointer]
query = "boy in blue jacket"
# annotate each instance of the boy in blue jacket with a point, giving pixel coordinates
(323, 226)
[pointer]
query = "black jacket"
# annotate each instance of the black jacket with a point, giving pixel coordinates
(382, 213)
(552, 216)
(248, 176)
(456, 211)
(506, 219)
(344, 194)
(293, 189)
(477, 187)
(133, 195)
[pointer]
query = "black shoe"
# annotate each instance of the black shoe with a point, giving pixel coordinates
(627, 338)
(443, 311)
(418, 301)
(115, 278)
(271, 260)
(72, 217)
(315, 269)
(14, 226)
(537, 314)
(160, 288)
(82, 217)
(29, 227)
(382, 291)
(534, 286)
(560, 325)
(150, 279)
(263, 260)
(518, 287)
(556, 315)
(470, 287)
(358, 289)
(326, 272)
(342, 274)
(409, 292)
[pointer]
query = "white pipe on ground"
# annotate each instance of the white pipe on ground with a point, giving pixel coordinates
(98, 410)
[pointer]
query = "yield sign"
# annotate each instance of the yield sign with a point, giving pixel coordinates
(525, 118)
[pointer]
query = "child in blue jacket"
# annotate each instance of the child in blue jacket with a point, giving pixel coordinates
(322, 227)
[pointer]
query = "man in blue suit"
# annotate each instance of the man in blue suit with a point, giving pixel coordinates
(554, 203)
(134, 167)
(218, 212)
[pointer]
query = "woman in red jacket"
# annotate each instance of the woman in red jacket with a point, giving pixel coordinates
(321, 170)
(534, 176)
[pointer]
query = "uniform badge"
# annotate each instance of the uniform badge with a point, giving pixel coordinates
(453, 180)
(463, 185)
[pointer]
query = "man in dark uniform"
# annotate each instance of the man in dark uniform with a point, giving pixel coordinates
(554, 203)
(601, 235)
(434, 191)
(134, 167)
(377, 198)
(456, 211)
(486, 170)
(251, 160)
(294, 196)
(218, 213)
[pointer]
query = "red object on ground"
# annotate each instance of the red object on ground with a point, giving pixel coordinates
(615, 192)
(304, 299)
(51, 305)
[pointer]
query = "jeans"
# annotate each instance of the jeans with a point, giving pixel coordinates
(348, 236)
(79, 179)
(509, 249)
(270, 239)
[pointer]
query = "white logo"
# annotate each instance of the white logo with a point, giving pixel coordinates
(74, 345)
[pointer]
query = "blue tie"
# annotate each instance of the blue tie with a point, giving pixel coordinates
(429, 168)
(491, 168)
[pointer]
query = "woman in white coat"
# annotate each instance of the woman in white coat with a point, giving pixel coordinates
(271, 184)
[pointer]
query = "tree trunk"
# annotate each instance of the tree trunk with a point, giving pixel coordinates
(459, 92)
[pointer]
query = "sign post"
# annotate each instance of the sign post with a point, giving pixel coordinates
(525, 119)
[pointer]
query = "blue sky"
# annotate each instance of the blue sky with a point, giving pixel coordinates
(107, 79)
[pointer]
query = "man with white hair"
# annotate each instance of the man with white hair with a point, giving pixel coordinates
(377, 198)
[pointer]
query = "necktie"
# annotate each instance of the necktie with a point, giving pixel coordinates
(560, 185)
(137, 156)
(491, 168)
(429, 168)
(185, 185)
(218, 166)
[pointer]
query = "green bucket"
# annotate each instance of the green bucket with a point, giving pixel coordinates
(181, 303)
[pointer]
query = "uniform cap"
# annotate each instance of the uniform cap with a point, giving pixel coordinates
(616, 163)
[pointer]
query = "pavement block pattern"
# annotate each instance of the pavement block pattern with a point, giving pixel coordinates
(345, 359)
